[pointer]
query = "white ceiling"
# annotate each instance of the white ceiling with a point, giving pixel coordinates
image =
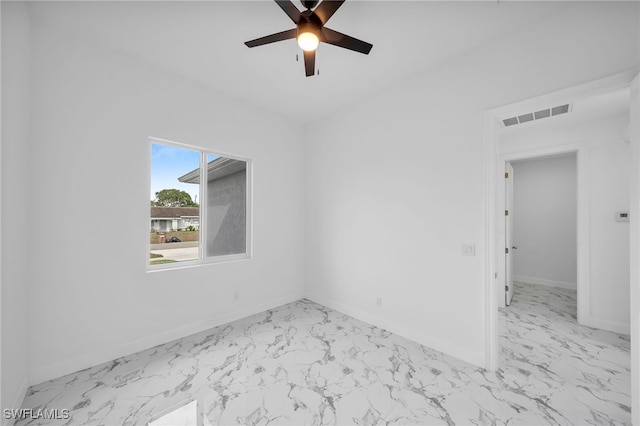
(204, 41)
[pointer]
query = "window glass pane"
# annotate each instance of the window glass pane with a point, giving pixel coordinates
(226, 207)
(175, 214)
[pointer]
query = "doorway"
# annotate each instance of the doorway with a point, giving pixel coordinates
(495, 160)
(541, 224)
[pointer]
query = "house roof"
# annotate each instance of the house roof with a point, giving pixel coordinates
(174, 212)
(216, 169)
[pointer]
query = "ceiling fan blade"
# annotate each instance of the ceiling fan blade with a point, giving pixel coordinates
(290, 9)
(284, 35)
(330, 36)
(310, 63)
(326, 9)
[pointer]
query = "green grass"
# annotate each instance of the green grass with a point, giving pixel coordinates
(156, 255)
(160, 261)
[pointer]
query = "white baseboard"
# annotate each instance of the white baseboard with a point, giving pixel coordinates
(545, 282)
(18, 400)
(603, 324)
(475, 358)
(89, 360)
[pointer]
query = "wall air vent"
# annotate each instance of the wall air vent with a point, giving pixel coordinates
(544, 113)
(559, 109)
(526, 117)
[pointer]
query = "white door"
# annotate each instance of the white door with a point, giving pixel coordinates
(508, 226)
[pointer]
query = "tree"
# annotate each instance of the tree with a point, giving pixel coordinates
(173, 198)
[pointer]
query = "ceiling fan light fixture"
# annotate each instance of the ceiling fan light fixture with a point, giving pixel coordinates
(308, 41)
(308, 36)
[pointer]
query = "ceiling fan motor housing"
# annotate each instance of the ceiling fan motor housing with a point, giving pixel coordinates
(309, 4)
(310, 25)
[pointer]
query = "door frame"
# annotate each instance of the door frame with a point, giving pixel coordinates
(582, 151)
(507, 220)
(634, 211)
(494, 169)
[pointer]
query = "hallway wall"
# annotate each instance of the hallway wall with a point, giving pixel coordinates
(544, 221)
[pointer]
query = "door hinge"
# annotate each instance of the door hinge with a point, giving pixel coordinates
(506, 250)
(506, 288)
(506, 175)
(506, 212)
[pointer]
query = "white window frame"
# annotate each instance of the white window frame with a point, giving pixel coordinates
(202, 196)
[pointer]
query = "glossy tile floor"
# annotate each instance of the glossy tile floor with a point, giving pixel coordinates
(306, 364)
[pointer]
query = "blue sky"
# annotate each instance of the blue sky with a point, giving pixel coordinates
(168, 163)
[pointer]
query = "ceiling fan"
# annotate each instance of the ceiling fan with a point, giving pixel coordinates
(310, 31)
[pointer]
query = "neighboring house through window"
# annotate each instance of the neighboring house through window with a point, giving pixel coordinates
(183, 230)
(167, 219)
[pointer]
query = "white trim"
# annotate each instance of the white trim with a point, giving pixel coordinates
(196, 262)
(493, 169)
(90, 360)
(249, 209)
(634, 250)
(545, 151)
(475, 358)
(1, 240)
(203, 192)
(603, 324)
(583, 236)
(196, 148)
(545, 282)
(490, 280)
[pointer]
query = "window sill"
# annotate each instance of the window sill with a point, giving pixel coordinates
(197, 263)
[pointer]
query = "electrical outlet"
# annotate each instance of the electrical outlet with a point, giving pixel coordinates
(468, 249)
(379, 302)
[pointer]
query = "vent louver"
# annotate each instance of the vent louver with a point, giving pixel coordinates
(544, 113)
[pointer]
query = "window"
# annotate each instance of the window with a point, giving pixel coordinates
(199, 205)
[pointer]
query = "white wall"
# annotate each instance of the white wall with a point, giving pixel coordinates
(544, 221)
(610, 180)
(395, 183)
(14, 153)
(91, 299)
(607, 189)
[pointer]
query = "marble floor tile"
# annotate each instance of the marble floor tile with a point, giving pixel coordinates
(305, 364)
